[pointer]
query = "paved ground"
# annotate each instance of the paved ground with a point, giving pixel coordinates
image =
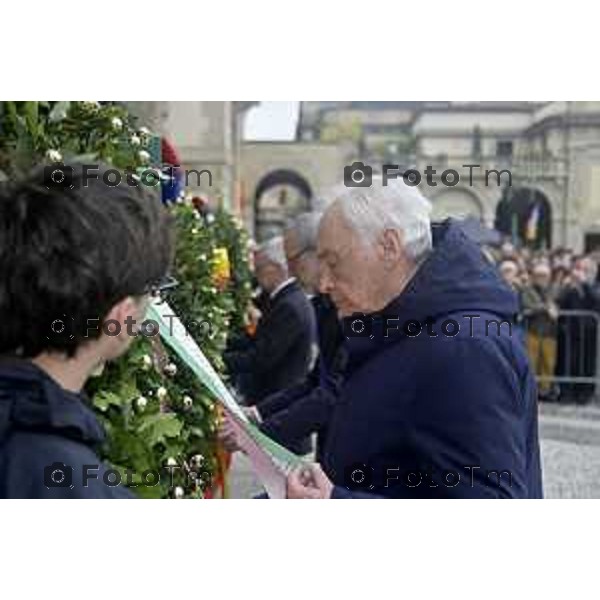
(570, 455)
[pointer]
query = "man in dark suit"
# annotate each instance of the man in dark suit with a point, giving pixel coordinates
(293, 414)
(284, 347)
(301, 410)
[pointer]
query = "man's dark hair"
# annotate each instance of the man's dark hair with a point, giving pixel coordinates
(71, 254)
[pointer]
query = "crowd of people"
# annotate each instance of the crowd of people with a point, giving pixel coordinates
(559, 298)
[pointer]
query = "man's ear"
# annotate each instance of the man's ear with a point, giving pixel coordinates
(391, 244)
(119, 313)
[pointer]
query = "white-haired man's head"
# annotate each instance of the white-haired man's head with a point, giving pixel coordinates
(371, 241)
(270, 264)
(300, 243)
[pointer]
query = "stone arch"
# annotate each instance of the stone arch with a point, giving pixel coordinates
(459, 202)
(524, 214)
(279, 195)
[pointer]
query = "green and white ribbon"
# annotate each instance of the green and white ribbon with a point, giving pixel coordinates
(174, 333)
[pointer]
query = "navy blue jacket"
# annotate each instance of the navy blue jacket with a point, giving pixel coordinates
(451, 416)
(298, 411)
(47, 435)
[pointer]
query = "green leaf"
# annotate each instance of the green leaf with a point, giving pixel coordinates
(155, 428)
(197, 431)
(103, 400)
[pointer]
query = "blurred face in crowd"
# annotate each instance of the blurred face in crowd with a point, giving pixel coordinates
(559, 275)
(584, 270)
(302, 262)
(507, 249)
(509, 272)
(541, 276)
(360, 275)
(268, 274)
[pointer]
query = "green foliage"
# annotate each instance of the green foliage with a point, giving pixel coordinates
(32, 132)
(157, 415)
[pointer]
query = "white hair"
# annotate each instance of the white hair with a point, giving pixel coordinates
(306, 228)
(371, 210)
(272, 251)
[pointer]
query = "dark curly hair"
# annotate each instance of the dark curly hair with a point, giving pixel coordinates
(71, 254)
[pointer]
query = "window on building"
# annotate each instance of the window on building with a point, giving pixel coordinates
(504, 149)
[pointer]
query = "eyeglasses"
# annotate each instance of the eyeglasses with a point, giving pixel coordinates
(298, 255)
(159, 289)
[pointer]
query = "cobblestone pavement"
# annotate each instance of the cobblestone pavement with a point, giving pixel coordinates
(570, 444)
(570, 451)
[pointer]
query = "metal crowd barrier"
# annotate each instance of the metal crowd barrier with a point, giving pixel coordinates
(577, 356)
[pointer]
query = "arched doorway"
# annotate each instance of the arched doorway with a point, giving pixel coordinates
(456, 202)
(279, 196)
(525, 215)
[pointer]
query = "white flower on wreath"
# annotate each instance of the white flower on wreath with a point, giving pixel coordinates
(161, 393)
(54, 155)
(141, 402)
(171, 369)
(144, 156)
(117, 123)
(135, 140)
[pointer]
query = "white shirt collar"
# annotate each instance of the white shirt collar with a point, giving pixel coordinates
(281, 286)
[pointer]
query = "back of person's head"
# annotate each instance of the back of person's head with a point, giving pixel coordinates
(71, 254)
(271, 264)
(305, 230)
(272, 252)
(300, 244)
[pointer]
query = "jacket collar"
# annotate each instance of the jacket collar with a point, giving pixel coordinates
(31, 400)
(282, 286)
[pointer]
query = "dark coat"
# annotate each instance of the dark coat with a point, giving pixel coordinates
(296, 412)
(42, 426)
(417, 412)
(577, 340)
(282, 351)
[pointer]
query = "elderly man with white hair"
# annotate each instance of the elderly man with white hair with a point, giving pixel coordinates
(438, 399)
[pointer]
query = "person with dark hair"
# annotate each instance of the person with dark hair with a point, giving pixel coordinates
(79, 265)
(578, 332)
